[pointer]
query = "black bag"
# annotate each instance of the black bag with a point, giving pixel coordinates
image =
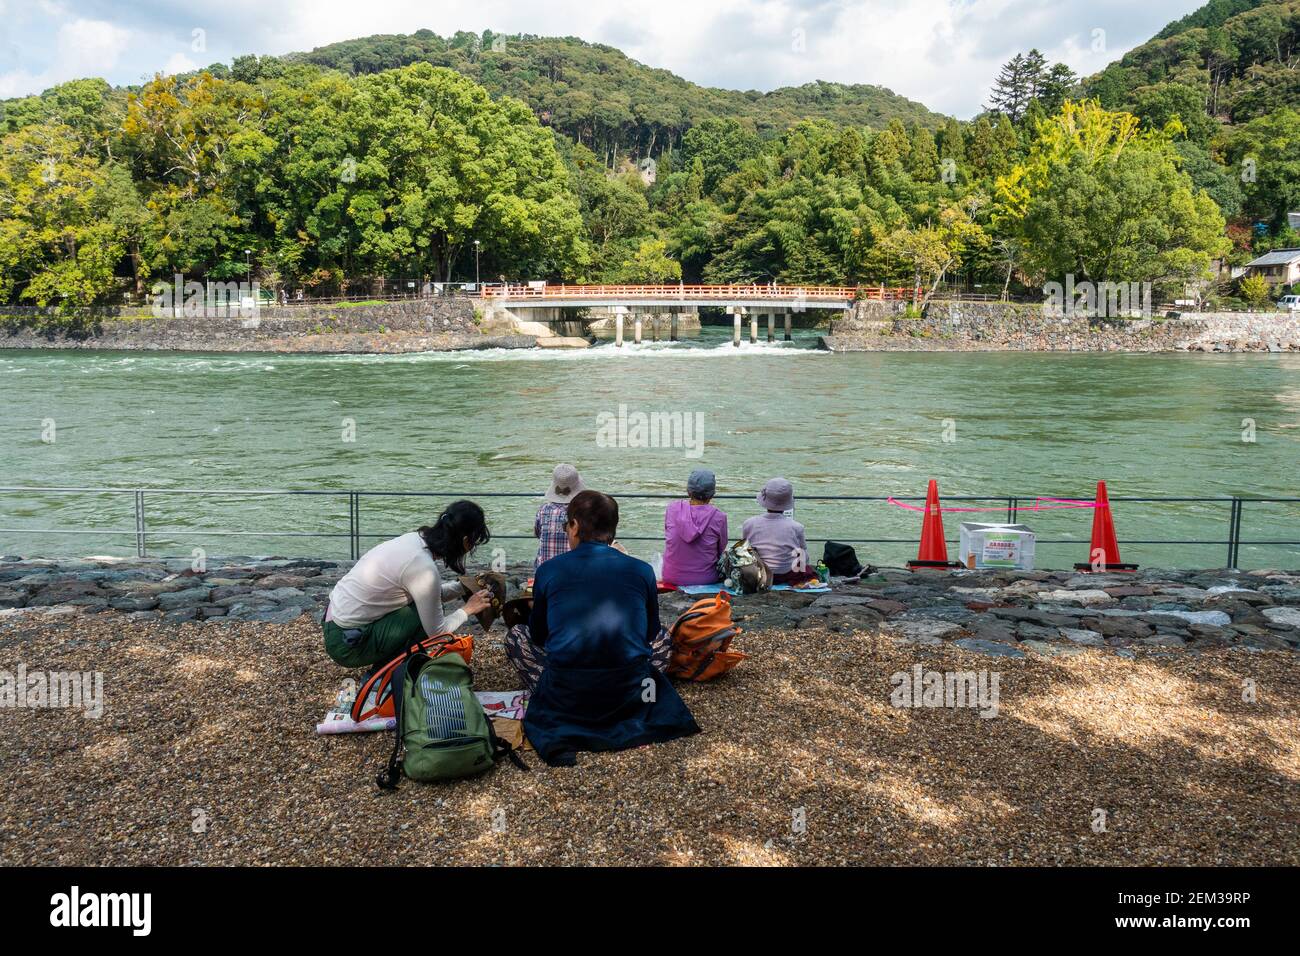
(842, 560)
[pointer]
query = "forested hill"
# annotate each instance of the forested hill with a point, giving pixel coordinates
(393, 160)
(1238, 59)
(607, 101)
(1213, 14)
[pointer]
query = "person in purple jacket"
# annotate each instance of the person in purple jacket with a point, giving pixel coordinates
(695, 534)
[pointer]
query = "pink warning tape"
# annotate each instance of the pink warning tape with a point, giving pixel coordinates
(1040, 504)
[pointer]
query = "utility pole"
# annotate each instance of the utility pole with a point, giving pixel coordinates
(476, 269)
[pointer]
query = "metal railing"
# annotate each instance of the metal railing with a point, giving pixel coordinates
(682, 291)
(1015, 507)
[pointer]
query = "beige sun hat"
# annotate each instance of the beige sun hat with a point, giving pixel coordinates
(565, 483)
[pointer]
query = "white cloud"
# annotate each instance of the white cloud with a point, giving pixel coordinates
(90, 47)
(943, 53)
(180, 63)
(81, 48)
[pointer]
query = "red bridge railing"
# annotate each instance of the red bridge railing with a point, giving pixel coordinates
(719, 292)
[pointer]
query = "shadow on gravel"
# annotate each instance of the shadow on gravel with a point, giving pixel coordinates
(206, 753)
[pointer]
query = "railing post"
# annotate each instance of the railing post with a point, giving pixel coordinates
(354, 525)
(140, 546)
(1234, 532)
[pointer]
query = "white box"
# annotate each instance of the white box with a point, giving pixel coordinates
(996, 546)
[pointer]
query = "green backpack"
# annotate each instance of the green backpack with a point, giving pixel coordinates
(440, 723)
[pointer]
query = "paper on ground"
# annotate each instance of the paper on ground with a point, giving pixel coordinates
(511, 704)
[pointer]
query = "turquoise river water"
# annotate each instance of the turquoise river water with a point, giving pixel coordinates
(474, 423)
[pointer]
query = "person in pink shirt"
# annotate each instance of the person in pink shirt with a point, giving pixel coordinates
(695, 534)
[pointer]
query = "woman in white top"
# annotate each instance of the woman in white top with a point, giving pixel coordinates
(393, 596)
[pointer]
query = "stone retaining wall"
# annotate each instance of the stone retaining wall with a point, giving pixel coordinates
(1011, 326)
(399, 326)
(1001, 613)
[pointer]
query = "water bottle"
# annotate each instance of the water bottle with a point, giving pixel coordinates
(823, 573)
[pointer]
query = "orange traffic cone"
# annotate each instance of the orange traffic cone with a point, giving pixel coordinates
(933, 552)
(1105, 547)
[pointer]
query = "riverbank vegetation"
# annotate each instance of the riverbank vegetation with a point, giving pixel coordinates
(364, 166)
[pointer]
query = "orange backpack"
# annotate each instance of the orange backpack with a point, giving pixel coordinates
(701, 638)
(379, 684)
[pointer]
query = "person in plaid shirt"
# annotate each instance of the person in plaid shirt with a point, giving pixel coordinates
(553, 515)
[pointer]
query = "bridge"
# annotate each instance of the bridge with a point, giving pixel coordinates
(667, 303)
(765, 298)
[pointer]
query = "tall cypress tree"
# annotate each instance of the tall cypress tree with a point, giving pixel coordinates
(1035, 70)
(1011, 90)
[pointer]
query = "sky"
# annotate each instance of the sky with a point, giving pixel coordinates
(942, 53)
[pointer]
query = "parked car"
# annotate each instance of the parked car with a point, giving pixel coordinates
(1289, 303)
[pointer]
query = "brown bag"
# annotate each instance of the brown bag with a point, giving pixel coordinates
(702, 637)
(494, 582)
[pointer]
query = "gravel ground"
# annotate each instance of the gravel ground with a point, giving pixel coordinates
(206, 754)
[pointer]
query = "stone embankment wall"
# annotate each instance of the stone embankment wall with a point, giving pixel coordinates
(1000, 613)
(950, 326)
(419, 325)
(413, 325)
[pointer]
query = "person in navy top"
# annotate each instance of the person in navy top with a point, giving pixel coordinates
(594, 605)
(594, 652)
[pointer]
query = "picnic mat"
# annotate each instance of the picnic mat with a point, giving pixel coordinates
(501, 706)
(702, 589)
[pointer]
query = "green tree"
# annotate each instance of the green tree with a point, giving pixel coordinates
(923, 256)
(650, 265)
(1012, 90)
(1165, 103)
(1101, 199)
(1256, 290)
(720, 146)
(1265, 153)
(1056, 86)
(432, 164)
(923, 161)
(197, 146)
(57, 246)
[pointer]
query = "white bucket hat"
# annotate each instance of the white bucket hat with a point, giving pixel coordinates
(565, 483)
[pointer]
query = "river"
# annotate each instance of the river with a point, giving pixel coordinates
(1026, 424)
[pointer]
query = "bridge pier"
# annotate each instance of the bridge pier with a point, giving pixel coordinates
(668, 304)
(737, 312)
(636, 329)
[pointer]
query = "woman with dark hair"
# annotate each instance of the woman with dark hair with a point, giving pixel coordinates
(393, 596)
